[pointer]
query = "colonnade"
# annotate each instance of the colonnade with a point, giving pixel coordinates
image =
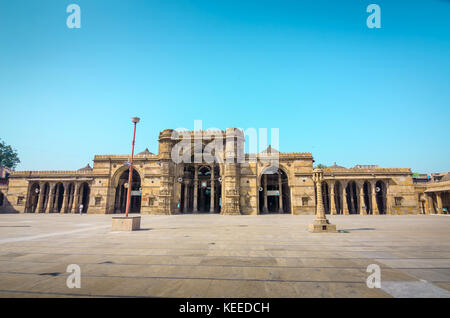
(277, 181)
(433, 202)
(191, 188)
(57, 197)
(346, 196)
(122, 191)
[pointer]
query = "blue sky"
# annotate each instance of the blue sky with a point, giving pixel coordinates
(334, 87)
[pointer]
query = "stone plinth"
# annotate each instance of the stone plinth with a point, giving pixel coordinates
(322, 226)
(130, 223)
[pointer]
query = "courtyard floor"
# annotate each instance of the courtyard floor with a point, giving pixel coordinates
(224, 256)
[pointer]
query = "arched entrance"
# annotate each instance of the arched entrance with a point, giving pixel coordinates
(70, 197)
(122, 191)
(85, 192)
(59, 197)
(352, 197)
(338, 198)
(200, 189)
(45, 198)
(367, 197)
(2, 198)
(380, 194)
(274, 193)
(33, 197)
(325, 197)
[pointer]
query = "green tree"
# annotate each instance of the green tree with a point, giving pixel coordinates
(321, 166)
(8, 156)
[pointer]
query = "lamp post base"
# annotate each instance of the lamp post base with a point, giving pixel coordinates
(322, 226)
(122, 223)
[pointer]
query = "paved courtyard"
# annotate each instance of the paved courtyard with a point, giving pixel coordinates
(224, 256)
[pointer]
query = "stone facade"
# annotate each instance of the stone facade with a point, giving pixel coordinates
(234, 183)
(434, 196)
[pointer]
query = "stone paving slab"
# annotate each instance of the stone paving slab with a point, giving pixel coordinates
(224, 256)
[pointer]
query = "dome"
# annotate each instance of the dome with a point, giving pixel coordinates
(270, 150)
(87, 168)
(335, 166)
(146, 152)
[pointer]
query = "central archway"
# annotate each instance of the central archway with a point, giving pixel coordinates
(200, 189)
(274, 193)
(122, 191)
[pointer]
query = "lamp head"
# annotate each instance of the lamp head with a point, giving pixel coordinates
(135, 119)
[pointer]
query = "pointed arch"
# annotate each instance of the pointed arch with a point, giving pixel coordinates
(274, 191)
(380, 195)
(352, 194)
(120, 182)
(338, 197)
(33, 197)
(85, 192)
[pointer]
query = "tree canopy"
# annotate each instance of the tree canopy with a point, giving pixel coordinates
(8, 156)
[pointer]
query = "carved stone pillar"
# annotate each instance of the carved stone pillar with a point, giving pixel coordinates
(65, 198)
(321, 224)
(231, 204)
(231, 174)
(332, 198)
(166, 200)
(55, 205)
(201, 200)
(121, 203)
(40, 203)
(71, 198)
(344, 198)
(373, 186)
(51, 198)
(211, 207)
(429, 209)
(280, 187)
(186, 189)
(361, 200)
(195, 190)
(46, 204)
(265, 209)
(352, 200)
(320, 210)
(76, 198)
(439, 202)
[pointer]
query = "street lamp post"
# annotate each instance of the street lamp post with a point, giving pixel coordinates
(135, 120)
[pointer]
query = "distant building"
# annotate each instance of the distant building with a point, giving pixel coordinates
(433, 191)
